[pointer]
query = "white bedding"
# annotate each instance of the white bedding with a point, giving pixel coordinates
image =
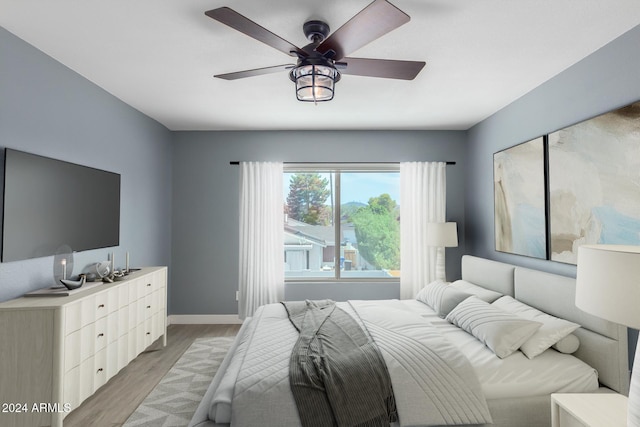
(516, 375)
(259, 393)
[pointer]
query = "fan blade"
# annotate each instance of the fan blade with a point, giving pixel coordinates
(372, 22)
(238, 22)
(255, 72)
(385, 68)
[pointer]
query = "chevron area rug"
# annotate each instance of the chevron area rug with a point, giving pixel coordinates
(174, 400)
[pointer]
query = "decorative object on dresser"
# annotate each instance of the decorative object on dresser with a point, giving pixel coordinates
(608, 286)
(62, 264)
(101, 269)
(74, 284)
(59, 351)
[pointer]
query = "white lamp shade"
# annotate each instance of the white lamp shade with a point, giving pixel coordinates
(608, 283)
(442, 234)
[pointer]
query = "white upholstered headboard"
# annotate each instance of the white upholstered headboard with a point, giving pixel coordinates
(603, 344)
(489, 274)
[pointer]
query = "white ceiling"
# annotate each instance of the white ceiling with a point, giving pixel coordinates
(159, 56)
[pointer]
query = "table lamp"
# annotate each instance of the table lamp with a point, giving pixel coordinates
(442, 235)
(608, 286)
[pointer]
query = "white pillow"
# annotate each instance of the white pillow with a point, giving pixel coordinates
(499, 330)
(552, 330)
(568, 345)
(473, 289)
(441, 296)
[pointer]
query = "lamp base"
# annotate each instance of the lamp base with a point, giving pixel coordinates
(441, 266)
(633, 408)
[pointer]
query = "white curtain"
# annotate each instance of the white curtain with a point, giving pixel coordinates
(261, 275)
(422, 200)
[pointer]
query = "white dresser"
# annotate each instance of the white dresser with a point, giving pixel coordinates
(57, 351)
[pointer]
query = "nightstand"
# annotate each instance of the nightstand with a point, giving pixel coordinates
(588, 409)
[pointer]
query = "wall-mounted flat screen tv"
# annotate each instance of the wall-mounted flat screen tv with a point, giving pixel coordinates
(50, 203)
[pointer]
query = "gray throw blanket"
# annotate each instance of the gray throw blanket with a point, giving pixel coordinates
(338, 376)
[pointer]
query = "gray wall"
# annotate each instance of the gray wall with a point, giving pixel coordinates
(206, 203)
(47, 109)
(604, 81)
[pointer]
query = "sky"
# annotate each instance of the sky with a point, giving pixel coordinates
(360, 186)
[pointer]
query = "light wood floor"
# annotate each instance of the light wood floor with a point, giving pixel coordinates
(115, 401)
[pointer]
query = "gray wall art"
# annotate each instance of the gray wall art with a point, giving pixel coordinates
(579, 185)
(594, 183)
(519, 197)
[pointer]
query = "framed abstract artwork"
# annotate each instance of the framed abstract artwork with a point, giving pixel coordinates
(594, 183)
(519, 199)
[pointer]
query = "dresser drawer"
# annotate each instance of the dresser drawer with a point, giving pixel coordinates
(160, 278)
(123, 321)
(158, 326)
(82, 344)
(149, 306)
(87, 378)
(123, 295)
(101, 304)
(89, 310)
(87, 342)
(132, 347)
(71, 390)
(100, 334)
(73, 317)
(158, 300)
(137, 313)
(72, 350)
(149, 285)
(123, 351)
(113, 299)
(136, 289)
(113, 326)
(100, 369)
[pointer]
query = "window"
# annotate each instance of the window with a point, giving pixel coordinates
(342, 222)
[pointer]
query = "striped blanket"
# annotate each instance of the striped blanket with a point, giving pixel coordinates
(337, 374)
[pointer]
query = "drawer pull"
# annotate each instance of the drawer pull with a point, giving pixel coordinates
(100, 335)
(148, 333)
(148, 306)
(99, 370)
(148, 285)
(101, 306)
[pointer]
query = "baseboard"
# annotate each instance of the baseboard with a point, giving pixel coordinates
(204, 319)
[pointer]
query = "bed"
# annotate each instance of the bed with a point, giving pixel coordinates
(251, 386)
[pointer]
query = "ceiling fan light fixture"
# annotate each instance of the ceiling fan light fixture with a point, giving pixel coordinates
(316, 71)
(314, 82)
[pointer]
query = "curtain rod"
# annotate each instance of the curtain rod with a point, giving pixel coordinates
(338, 163)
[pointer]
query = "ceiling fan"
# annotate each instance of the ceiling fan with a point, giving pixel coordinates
(321, 63)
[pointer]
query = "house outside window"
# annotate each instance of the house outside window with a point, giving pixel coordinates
(342, 222)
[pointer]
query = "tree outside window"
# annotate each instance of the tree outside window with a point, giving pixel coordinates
(342, 224)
